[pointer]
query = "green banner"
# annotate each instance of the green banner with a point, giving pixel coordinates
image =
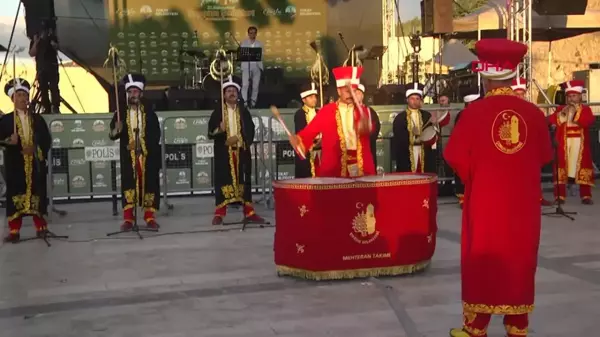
(85, 160)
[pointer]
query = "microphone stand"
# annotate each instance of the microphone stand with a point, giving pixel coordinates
(138, 152)
(559, 211)
(344, 42)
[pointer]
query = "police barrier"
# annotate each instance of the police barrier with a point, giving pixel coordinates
(85, 161)
(188, 154)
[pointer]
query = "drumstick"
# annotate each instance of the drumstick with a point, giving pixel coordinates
(355, 99)
(277, 115)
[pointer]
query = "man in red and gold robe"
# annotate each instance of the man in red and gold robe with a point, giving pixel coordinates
(519, 87)
(498, 149)
(572, 123)
(345, 132)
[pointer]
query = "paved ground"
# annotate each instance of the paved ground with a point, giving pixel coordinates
(223, 283)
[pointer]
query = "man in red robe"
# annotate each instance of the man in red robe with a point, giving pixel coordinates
(345, 131)
(498, 149)
(573, 123)
(519, 87)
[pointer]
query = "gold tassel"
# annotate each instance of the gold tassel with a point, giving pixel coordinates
(351, 273)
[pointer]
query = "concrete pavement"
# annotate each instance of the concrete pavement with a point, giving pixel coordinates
(223, 283)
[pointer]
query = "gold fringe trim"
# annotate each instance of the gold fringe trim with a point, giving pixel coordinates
(351, 273)
(502, 309)
(514, 331)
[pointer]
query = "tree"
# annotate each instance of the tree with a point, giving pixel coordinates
(466, 7)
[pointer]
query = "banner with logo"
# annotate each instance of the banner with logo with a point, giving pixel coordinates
(85, 160)
(83, 156)
(157, 32)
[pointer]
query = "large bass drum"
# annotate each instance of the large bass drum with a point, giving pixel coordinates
(334, 228)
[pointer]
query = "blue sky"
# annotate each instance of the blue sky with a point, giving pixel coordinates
(408, 8)
(8, 7)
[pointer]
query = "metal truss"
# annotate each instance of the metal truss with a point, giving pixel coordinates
(520, 29)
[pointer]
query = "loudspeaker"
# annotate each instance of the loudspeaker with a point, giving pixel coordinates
(185, 99)
(436, 16)
(39, 15)
(559, 7)
(390, 94)
(156, 99)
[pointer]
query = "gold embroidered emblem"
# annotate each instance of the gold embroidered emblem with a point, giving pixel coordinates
(509, 132)
(429, 238)
(426, 203)
(364, 229)
(303, 210)
(299, 249)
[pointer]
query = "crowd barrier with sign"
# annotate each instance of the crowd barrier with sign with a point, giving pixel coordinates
(84, 161)
(188, 154)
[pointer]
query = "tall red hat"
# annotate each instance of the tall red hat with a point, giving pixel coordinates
(499, 58)
(346, 74)
(574, 87)
(519, 84)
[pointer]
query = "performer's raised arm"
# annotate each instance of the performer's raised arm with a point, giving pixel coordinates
(305, 138)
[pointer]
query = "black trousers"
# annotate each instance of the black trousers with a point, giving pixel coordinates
(48, 85)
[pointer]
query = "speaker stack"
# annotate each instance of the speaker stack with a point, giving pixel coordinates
(436, 17)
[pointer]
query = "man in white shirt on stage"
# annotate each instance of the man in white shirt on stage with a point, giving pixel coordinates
(251, 71)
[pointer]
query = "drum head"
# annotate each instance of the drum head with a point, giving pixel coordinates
(428, 133)
(392, 177)
(316, 181)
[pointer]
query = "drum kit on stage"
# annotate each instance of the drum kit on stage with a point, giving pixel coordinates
(200, 63)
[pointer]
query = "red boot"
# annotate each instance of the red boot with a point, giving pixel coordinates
(41, 226)
(15, 227)
(220, 213)
(251, 215)
(128, 219)
(149, 218)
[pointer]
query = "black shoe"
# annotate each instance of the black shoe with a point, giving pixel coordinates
(587, 201)
(42, 233)
(12, 237)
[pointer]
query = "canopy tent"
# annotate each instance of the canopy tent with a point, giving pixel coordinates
(491, 19)
(453, 53)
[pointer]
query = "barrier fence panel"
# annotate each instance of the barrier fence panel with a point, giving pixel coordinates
(188, 154)
(85, 162)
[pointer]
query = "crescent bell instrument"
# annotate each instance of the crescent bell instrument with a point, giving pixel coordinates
(319, 72)
(353, 60)
(221, 68)
(118, 69)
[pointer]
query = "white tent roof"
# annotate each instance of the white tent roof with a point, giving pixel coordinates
(492, 17)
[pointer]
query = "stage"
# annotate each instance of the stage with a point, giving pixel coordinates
(213, 283)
